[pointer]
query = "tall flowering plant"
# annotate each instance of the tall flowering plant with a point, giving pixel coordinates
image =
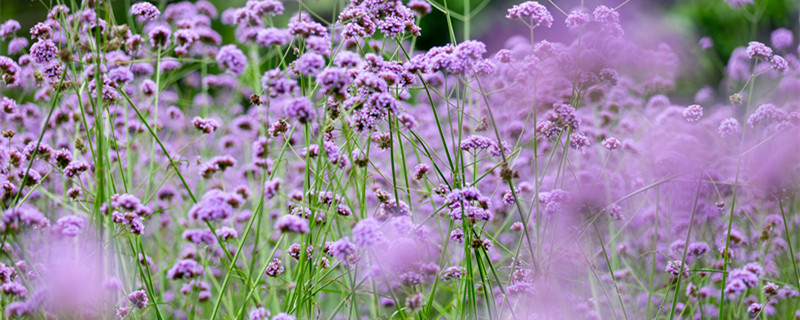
(320, 167)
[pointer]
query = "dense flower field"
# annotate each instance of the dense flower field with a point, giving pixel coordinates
(326, 168)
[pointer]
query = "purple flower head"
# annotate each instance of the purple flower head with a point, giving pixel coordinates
(706, 43)
(8, 28)
(532, 13)
(611, 143)
(145, 11)
(215, 205)
(199, 236)
(367, 233)
(577, 18)
(70, 226)
(160, 36)
(138, 298)
(292, 223)
(43, 51)
(232, 59)
(782, 38)
(206, 126)
(300, 109)
(343, 250)
(420, 7)
(728, 127)
(259, 314)
(779, 64)
(758, 50)
(185, 269)
(283, 316)
(41, 31)
(273, 37)
(16, 45)
(309, 63)
(334, 81)
(693, 113)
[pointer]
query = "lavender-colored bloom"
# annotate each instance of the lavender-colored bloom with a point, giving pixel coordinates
(207, 126)
(292, 223)
(259, 314)
(782, 38)
(367, 233)
(138, 298)
(415, 302)
(343, 250)
(199, 236)
(758, 50)
(728, 127)
(420, 7)
(14, 289)
(275, 268)
(779, 64)
(70, 226)
(309, 63)
(16, 45)
(215, 205)
(300, 109)
(283, 316)
(43, 51)
(693, 113)
(272, 36)
(577, 18)
(185, 269)
(531, 12)
(611, 143)
(18, 309)
(232, 59)
(334, 80)
(8, 28)
(160, 36)
(145, 11)
(706, 43)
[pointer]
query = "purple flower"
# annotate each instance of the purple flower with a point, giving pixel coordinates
(275, 268)
(283, 316)
(70, 226)
(43, 51)
(309, 63)
(367, 233)
(343, 250)
(693, 113)
(199, 236)
(215, 205)
(8, 28)
(185, 269)
(577, 18)
(334, 81)
(232, 59)
(292, 223)
(300, 109)
(611, 143)
(259, 314)
(207, 126)
(728, 127)
(706, 43)
(145, 11)
(758, 50)
(532, 10)
(138, 298)
(415, 302)
(273, 36)
(779, 64)
(16, 45)
(159, 36)
(782, 38)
